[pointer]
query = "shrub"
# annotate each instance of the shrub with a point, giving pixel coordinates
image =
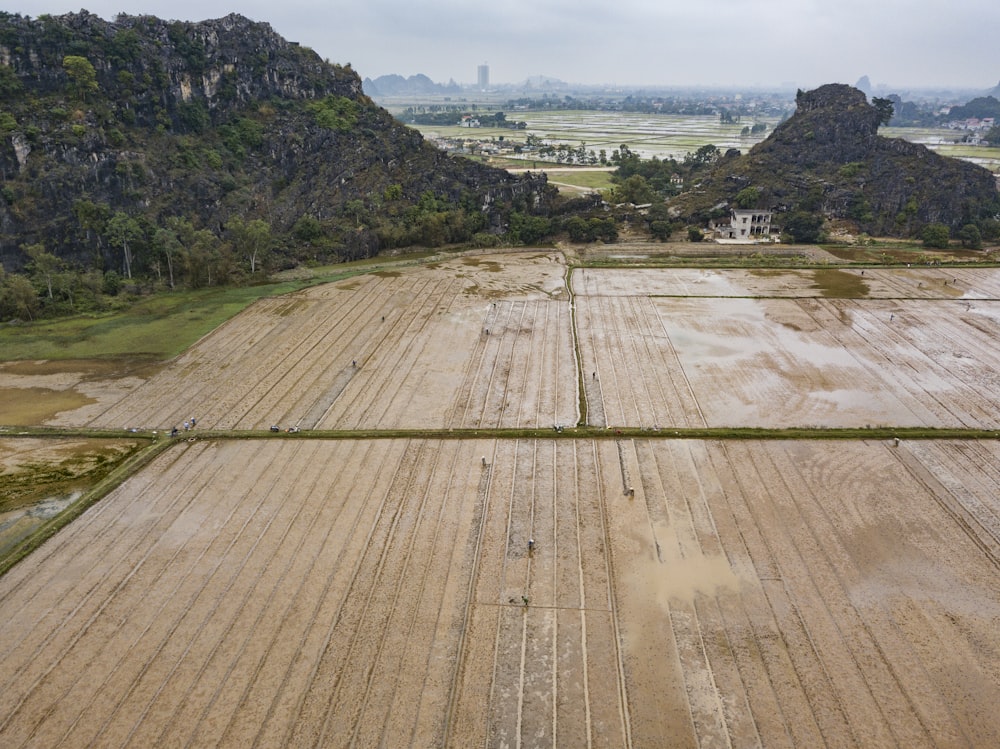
(935, 235)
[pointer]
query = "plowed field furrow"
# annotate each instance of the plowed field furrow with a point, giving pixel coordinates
(372, 700)
(269, 707)
(754, 636)
(606, 707)
(190, 386)
(488, 346)
(347, 655)
(967, 675)
(656, 407)
(504, 717)
(412, 305)
(19, 586)
(626, 723)
(503, 385)
(375, 367)
(234, 569)
(540, 385)
(611, 385)
(675, 545)
(884, 685)
(404, 658)
(557, 375)
(258, 361)
(284, 621)
(385, 373)
(936, 369)
(113, 606)
(887, 363)
(825, 665)
(207, 391)
(459, 413)
(651, 659)
(764, 624)
(211, 660)
(853, 660)
(390, 331)
(588, 363)
(567, 395)
(897, 684)
(673, 402)
(971, 516)
(477, 665)
(110, 659)
(696, 580)
(518, 397)
(229, 341)
(715, 594)
(634, 403)
(367, 314)
(946, 348)
(441, 614)
(83, 590)
(498, 345)
(203, 394)
(303, 370)
(979, 468)
(594, 351)
(406, 367)
(255, 408)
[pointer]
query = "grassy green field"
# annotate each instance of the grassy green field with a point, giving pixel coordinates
(157, 327)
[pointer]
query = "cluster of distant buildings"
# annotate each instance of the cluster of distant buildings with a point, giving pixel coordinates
(973, 123)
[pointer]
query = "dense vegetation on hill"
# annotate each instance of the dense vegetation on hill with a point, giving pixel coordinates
(202, 153)
(828, 161)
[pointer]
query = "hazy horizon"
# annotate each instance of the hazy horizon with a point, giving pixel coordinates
(764, 44)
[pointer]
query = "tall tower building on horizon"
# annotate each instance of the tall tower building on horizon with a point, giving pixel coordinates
(483, 76)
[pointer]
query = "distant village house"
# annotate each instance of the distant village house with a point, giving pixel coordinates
(745, 226)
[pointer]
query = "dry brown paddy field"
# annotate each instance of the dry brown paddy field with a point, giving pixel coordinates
(680, 592)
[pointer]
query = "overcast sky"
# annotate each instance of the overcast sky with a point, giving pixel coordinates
(802, 43)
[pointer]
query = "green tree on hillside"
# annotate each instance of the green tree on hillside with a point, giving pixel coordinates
(122, 230)
(18, 297)
(93, 219)
(251, 239)
(43, 266)
(885, 109)
(804, 227)
(82, 76)
(747, 198)
(167, 245)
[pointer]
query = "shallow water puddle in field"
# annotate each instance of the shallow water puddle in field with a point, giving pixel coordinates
(18, 524)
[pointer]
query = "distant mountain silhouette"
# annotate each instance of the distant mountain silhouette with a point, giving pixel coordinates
(397, 85)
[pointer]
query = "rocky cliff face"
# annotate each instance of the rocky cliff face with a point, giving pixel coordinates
(210, 121)
(829, 158)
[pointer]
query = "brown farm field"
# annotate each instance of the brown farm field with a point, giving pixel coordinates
(381, 590)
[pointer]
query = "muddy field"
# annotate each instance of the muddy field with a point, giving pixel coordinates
(474, 342)
(488, 342)
(690, 348)
(748, 594)
(683, 593)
